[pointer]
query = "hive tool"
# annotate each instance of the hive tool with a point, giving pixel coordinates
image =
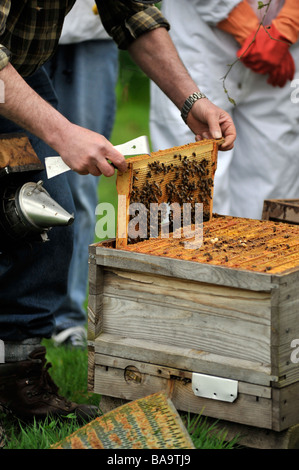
(139, 146)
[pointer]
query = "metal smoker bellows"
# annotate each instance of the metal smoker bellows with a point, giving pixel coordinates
(27, 211)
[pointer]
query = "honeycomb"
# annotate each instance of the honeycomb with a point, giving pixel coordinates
(249, 244)
(17, 154)
(180, 175)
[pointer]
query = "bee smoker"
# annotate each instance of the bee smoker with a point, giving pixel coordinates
(27, 211)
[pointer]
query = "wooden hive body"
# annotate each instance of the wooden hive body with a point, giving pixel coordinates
(158, 322)
(281, 210)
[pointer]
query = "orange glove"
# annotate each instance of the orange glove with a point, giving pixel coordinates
(287, 21)
(267, 52)
(240, 22)
(259, 51)
(264, 50)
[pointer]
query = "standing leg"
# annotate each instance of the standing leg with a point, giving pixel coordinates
(84, 78)
(33, 284)
(33, 278)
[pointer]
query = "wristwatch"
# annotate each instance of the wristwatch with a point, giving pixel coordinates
(197, 95)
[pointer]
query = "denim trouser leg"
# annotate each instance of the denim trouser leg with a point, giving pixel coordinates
(33, 279)
(84, 76)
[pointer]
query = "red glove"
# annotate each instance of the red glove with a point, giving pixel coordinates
(283, 72)
(267, 51)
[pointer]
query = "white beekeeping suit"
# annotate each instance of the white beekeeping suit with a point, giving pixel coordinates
(265, 160)
(81, 24)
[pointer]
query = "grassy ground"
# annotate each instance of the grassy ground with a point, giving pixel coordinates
(69, 369)
(69, 372)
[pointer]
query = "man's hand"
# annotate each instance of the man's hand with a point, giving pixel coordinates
(85, 151)
(82, 150)
(155, 53)
(207, 121)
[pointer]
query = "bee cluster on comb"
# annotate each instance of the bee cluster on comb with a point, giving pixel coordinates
(254, 245)
(173, 178)
(180, 185)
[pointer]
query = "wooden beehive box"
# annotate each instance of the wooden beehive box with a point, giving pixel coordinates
(282, 210)
(217, 332)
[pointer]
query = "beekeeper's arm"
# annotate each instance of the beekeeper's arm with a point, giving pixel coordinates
(287, 21)
(155, 53)
(153, 50)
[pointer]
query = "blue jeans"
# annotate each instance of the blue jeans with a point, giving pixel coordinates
(84, 76)
(33, 279)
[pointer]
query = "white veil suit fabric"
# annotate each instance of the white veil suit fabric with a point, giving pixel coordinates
(264, 163)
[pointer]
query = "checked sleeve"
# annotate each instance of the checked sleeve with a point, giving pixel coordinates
(126, 20)
(4, 52)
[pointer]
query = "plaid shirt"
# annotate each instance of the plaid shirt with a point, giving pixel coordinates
(30, 29)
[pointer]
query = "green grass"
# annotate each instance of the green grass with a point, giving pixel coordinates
(69, 372)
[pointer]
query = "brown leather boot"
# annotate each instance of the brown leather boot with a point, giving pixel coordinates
(2, 436)
(28, 391)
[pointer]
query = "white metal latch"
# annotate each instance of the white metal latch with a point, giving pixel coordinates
(217, 388)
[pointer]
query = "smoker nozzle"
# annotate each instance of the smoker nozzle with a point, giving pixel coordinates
(38, 209)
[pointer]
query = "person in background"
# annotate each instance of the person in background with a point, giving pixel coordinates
(209, 35)
(84, 73)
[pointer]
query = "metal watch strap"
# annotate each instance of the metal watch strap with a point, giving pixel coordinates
(197, 95)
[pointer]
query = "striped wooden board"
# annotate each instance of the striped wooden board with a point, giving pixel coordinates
(148, 423)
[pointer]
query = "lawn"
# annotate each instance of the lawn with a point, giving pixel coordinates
(69, 372)
(69, 369)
